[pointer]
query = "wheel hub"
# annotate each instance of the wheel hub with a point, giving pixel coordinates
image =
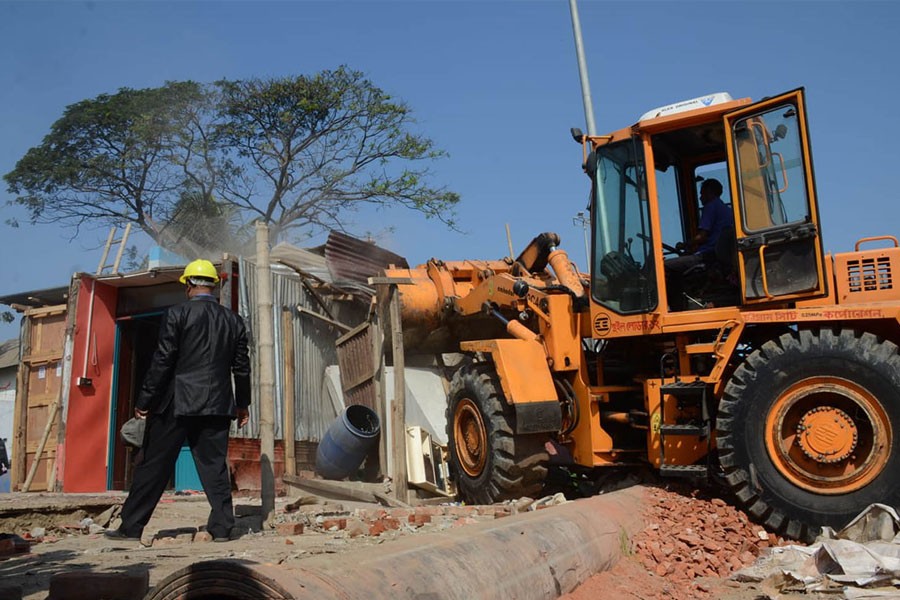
(470, 437)
(827, 434)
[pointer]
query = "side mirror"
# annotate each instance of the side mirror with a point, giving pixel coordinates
(577, 135)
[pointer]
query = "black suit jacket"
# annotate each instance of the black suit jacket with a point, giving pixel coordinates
(201, 346)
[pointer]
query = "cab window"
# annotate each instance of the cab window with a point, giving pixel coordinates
(770, 169)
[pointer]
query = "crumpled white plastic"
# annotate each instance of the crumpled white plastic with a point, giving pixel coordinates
(863, 558)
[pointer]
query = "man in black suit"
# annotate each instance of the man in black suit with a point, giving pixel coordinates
(187, 395)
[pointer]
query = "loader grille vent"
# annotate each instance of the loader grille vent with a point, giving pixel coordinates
(870, 274)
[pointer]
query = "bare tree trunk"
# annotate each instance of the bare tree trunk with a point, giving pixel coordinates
(266, 367)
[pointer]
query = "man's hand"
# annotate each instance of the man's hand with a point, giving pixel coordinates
(140, 414)
(243, 415)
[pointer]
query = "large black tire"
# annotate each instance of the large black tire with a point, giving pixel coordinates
(808, 429)
(488, 461)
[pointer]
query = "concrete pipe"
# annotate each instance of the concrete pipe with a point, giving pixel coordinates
(537, 555)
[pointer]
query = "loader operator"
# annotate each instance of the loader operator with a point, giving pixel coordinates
(715, 217)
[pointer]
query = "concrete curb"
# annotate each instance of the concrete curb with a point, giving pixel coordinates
(531, 556)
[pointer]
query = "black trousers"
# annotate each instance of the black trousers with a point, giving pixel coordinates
(207, 437)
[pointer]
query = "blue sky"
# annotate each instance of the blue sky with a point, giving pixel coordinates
(494, 83)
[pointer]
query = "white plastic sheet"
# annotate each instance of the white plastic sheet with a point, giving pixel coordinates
(863, 559)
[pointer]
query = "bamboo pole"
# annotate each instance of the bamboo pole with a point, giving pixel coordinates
(266, 367)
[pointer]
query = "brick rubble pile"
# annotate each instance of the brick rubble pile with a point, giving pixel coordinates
(691, 535)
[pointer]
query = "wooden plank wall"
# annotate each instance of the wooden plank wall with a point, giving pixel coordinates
(38, 387)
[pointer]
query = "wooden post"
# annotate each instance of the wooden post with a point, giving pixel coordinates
(19, 442)
(289, 427)
(20, 429)
(266, 366)
(381, 408)
(398, 406)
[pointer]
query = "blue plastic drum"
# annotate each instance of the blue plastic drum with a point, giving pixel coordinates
(347, 442)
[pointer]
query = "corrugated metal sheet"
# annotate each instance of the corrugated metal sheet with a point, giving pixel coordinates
(302, 260)
(314, 349)
(9, 353)
(37, 298)
(354, 261)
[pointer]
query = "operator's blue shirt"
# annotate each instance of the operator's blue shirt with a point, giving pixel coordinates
(714, 217)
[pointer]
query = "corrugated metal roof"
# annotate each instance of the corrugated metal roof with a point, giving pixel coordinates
(353, 260)
(303, 260)
(37, 298)
(9, 353)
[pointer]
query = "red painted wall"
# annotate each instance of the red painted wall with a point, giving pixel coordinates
(87, 421)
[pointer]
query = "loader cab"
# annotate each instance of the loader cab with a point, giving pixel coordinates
(646, 181)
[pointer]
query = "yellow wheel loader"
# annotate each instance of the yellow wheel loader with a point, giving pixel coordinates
(768, 362)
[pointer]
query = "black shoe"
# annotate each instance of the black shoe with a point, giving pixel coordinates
(222, 539)
(118, 534)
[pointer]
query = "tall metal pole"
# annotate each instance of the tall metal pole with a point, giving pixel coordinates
(589, 116)
(582, 70)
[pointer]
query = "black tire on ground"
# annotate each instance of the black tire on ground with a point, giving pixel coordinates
(808, 430)
(488, 461)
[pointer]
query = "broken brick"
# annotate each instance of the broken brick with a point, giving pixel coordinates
(419, 520)
(334, 524)
(289, 528)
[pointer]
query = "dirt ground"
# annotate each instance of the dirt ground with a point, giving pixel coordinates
(691, 545)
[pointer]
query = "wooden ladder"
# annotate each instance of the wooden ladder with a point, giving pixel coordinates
(110, 242)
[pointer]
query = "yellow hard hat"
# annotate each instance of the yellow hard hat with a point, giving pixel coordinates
(199, 268)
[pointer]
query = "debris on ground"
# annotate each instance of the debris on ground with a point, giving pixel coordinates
(691, 535)
(693, 540)
(860, 561)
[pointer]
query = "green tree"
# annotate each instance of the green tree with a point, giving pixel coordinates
(323, 145)
(297, 152)
(107, 161)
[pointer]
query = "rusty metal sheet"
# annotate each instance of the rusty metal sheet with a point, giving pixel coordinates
(350, 259)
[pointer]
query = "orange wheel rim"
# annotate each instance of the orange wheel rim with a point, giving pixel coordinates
(828, 435)
(470, 437)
